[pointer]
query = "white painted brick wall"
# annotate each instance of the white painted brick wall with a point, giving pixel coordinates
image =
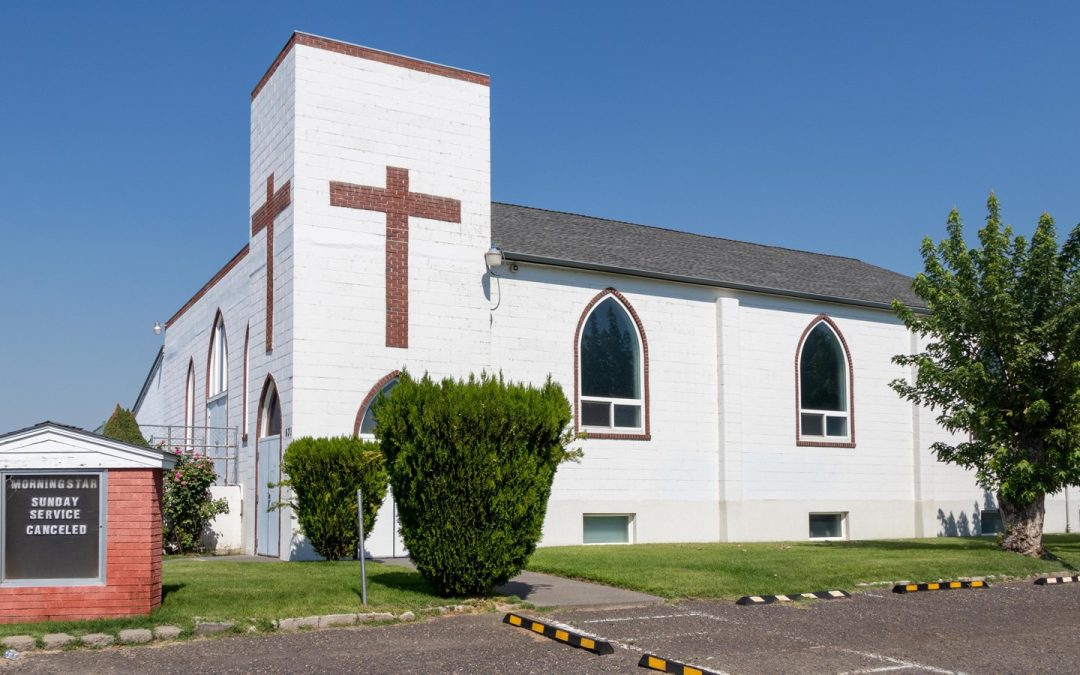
(722, 463)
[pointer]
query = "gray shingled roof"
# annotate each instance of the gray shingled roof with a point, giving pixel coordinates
(536, 235)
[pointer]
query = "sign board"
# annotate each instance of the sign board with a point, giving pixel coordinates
(53, 526)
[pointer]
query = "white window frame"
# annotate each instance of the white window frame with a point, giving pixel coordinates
(271, 394)
(843, 515)
(219, 361)
(189, 407)
(245, 390)
(630, 528)
(612, 402)
(824, 437)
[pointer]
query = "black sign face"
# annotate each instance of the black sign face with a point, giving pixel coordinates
(52, 526)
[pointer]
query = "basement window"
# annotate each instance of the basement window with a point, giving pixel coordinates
(990, 522)
(828, 526)
(606, 528)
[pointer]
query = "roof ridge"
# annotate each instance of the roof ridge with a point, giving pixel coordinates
(693, 234)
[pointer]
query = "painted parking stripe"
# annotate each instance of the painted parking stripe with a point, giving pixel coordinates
(564, 635)
(653, 662)
(1051, 581)
(938, 586)
(769, 599)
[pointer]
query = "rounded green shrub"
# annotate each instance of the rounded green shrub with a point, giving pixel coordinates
(471, 465)
(324, 474)
(123, 427)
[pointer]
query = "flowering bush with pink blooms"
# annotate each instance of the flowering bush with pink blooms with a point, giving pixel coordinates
(187, 505)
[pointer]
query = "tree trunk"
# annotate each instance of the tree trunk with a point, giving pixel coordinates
(1023, 525)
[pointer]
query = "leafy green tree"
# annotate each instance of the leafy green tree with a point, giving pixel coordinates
(324, 474)
(1000, 359)
(123, 427)
(471, 465)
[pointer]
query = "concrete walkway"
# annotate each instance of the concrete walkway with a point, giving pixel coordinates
(545, 590)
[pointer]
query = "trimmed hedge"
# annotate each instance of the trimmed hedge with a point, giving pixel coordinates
(123, 427)
(471, 465)
(324, 474)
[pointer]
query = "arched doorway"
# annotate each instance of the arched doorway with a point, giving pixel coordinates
(268, 472)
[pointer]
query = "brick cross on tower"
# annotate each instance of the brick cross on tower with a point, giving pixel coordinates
(263, 219)
(398, 204)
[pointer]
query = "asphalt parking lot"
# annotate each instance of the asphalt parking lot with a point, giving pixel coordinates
(1009, 628)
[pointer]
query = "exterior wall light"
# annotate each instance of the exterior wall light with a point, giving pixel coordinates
(493, 257)
(158, 328)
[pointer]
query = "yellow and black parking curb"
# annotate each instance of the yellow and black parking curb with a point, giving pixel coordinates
(769, 599)
(938, 586)
(569, 637)
(665, 666)
(1050, 581)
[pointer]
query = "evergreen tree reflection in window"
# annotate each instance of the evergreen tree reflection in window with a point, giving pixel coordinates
(823, 384)
(611, 391)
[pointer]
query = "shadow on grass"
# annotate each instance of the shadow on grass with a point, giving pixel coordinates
(166, 589)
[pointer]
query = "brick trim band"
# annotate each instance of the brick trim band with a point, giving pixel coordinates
(615, 436)
(209, 284)
(799, 442)
(369, 54)
(385, 380)
(398, 203)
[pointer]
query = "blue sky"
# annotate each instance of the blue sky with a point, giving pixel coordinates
(842, 127)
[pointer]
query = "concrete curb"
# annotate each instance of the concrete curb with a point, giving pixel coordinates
(204, 629)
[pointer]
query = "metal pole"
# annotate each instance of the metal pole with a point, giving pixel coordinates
(360, 546)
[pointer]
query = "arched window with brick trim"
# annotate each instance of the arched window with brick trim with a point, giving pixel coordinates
(824, 384)
(217, 370)
(611, 370)
(365, 416)
(189, 405)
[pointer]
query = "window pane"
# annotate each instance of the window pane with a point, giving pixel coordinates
(606, 529)
(822, 384)
(824, 525)
(813, 425)
(595, 414)
(367, 425)
(628, 416)
(610, 353)
(990, 522)
(273, 415)
(836, 426)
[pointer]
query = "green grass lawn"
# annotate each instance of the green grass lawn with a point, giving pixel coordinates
(733, 570)
(254, 593)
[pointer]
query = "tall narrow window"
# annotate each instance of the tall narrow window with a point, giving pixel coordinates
(824, 386)
(189, 405)
(365, 417)
(244, 388)
(219, 360)
(612, 392)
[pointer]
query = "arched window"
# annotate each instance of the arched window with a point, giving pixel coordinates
(244, 388)
(271, 412)
(365, 417)
(218, 370)
(611, 357)
(824, 386)
(189, 405)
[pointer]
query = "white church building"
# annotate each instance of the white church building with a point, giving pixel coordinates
(728, 391)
